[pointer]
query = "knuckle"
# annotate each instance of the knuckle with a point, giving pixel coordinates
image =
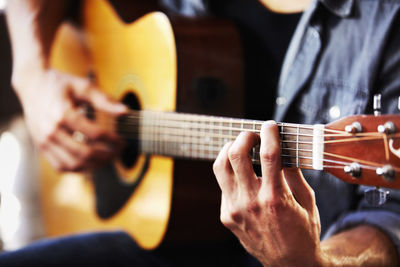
(225, 220)
(269, 155)
(254, 208)
(237, 216)
(229, 221)
(235, 154)
(217, 167)
(311, 195)
(220, 167)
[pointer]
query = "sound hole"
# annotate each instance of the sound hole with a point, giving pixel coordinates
(130, 153)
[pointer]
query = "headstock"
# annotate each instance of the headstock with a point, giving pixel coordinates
(365, 149)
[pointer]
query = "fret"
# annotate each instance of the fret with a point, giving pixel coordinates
(282, 130)
(318, 147)
(199, 136)
(152, 143)
(254, 148)
(230, 129)
(210, 155)
(220, 139)
(297, 146)
(144, 145)
(190, 138)
(203, 139)
(159, 143)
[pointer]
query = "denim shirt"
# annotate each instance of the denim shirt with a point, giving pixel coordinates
(342, 53)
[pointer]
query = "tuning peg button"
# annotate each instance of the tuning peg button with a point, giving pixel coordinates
(387, 128)
(376, 196)
(355, 127)
(387, 172)
(354, 169)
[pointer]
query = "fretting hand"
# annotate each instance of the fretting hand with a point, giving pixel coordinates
(275, 216)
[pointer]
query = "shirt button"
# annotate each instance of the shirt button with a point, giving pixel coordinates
(314, 33)
(334, 112)
(280, 100)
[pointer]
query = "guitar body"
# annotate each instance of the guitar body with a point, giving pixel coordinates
(190, 66)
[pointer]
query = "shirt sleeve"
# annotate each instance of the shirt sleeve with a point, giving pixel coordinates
(386, 221)
(386, 217)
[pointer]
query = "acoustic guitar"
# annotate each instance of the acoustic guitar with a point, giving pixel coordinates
(167, 72)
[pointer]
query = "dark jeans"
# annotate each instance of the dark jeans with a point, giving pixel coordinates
(118, 249)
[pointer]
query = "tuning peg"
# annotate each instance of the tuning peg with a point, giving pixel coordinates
(387, 172)
(354, 169)
(377, 105)
(355, 127)
(376, 196)
(387, 128)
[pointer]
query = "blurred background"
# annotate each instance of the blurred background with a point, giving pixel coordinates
(20, 219)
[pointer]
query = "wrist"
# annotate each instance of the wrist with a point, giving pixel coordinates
(25, 76)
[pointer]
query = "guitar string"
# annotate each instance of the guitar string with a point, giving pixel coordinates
(189, 118)
(172, 124)
(201, 142)
(340, 164)
(184, 117)
(242, 122)
(212, 153)
(197, 132)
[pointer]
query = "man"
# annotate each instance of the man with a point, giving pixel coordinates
(342, 52)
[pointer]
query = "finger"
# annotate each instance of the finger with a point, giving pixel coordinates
(52, 159)
(239, 157)
(94, 152)
(223, 171)
(227, 218)
(273, 182)
(301, 190)
(75, 121)
(83, 89)
(61, 159)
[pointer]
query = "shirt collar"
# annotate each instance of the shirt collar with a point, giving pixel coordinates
(341, 8)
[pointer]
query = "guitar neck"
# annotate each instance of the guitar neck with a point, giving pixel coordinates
(202, 137)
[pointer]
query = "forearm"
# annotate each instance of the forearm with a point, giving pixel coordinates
(360, 246)
(32, 25)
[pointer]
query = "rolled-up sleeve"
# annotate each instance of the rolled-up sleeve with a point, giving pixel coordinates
(387, 221)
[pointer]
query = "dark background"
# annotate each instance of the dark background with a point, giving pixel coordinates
(9, 104)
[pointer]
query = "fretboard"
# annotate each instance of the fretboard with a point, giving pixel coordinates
(202, 137)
